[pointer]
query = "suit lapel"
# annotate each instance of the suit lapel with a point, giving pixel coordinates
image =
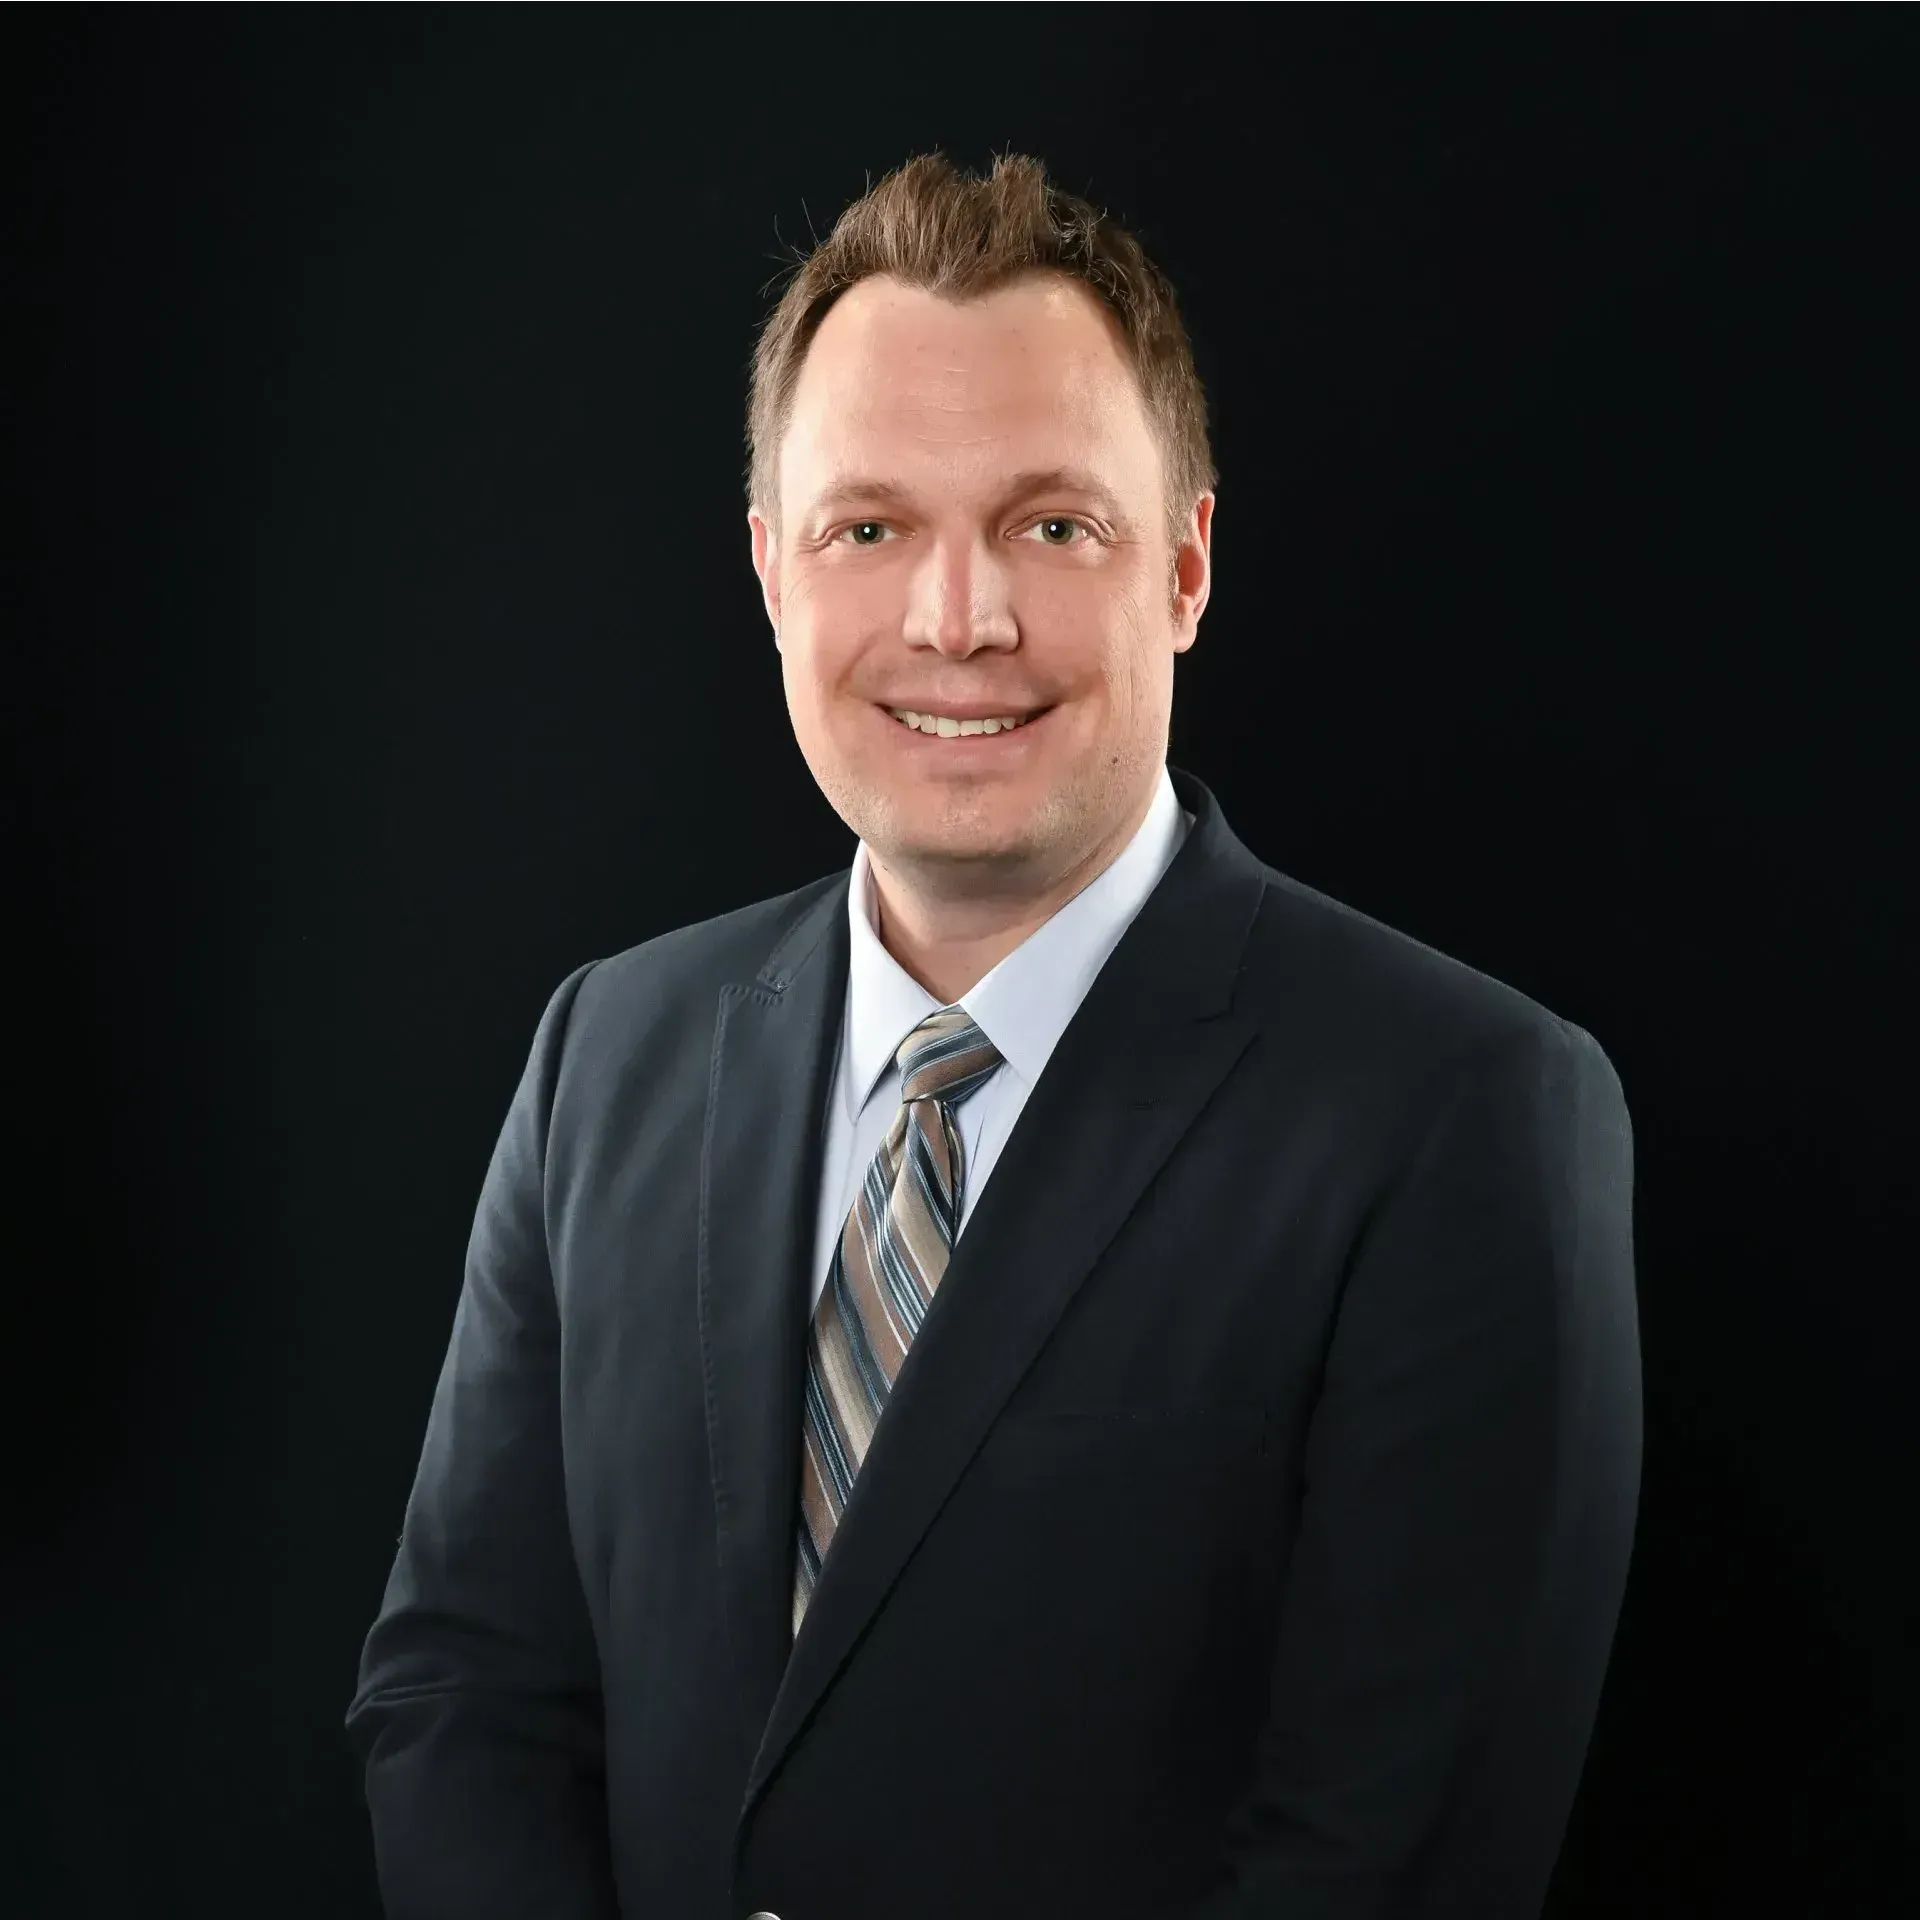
(1098, 1125)
(760, 1169)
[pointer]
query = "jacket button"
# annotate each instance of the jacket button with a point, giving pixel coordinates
(763, 1915)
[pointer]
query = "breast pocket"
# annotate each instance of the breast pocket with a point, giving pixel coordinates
(1034, 1446)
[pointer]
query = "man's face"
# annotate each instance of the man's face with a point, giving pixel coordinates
(965, 590)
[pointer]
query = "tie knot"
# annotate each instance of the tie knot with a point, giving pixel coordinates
(946, 1056)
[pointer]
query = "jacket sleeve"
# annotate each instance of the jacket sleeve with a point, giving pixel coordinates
(478, 1715)
(1471, 1485)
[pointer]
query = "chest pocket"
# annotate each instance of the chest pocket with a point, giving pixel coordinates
(1033, 1446)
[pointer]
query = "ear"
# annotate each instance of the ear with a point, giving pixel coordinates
(1192, 574)
(766, 565)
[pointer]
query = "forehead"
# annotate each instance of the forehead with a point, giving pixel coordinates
(1033, 373)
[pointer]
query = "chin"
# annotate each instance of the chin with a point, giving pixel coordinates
(933, 829)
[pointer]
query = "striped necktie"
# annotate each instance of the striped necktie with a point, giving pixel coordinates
(892, 1252)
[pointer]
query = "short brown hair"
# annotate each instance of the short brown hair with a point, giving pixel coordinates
(957, 236)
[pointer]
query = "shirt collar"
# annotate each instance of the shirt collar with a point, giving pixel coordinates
(1022, 1006)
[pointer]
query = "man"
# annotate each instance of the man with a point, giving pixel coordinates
(1055, 1371)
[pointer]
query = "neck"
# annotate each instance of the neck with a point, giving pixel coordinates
(949, 943)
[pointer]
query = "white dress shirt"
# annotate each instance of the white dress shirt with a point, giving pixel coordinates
(1022, 1006)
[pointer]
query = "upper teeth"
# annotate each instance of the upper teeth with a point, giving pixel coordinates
(945, 724)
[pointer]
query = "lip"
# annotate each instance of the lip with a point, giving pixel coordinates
(968, 750)
(973, 710)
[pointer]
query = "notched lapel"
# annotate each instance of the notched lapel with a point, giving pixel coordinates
(1101, 1122)
(760, 1159)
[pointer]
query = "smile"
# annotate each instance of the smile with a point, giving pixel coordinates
(945, 727)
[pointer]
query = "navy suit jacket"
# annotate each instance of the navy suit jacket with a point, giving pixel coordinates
(1246, 1532)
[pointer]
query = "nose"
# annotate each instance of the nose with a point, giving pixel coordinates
(960, 604)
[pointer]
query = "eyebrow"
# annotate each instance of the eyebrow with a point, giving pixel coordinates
(858, 489)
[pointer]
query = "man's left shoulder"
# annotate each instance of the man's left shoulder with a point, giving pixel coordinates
(1356, 988)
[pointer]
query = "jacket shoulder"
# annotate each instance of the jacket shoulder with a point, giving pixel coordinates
(678, 972)
(1372, 991)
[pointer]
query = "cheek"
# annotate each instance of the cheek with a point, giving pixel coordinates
(819, 701)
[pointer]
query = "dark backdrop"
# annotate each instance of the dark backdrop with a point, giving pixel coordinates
(382, 643)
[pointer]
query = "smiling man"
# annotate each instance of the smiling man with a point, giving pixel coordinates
(1055, 1369)
(980, 674)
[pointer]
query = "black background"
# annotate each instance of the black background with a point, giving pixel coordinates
(383, 643)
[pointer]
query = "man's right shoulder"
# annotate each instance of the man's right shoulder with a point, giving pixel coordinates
(681, 970)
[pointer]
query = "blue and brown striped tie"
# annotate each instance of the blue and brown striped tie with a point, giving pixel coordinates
(892, 1252)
